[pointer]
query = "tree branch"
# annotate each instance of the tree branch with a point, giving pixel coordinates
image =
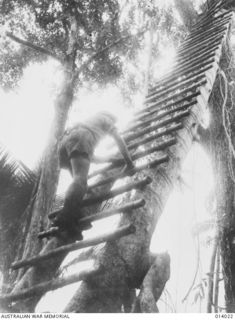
(33, 46)
(109, 46)
(49, 286)
(129, 207)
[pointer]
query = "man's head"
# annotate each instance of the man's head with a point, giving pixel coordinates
(107, 115)
(104, 120)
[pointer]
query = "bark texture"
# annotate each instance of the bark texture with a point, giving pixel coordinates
(50, 169)
(153, 284)
(219, 148)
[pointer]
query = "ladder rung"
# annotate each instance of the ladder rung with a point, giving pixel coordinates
(111, 236)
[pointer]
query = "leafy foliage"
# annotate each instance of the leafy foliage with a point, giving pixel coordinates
(199, 291)
(48, 25)
(13, 174)
(99, 24)
(16, 185)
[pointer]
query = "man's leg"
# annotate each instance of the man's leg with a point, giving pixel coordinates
(68, 217)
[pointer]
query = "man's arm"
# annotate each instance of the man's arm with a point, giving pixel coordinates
(99, 160)
(122, 147)
(117, 159)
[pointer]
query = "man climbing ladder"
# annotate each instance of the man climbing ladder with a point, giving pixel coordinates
(76, 151)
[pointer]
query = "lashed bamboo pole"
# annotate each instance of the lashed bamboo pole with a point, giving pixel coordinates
(142, 132)
(111, 236)
(127, 208)
(165, 111)
(173, 87)
(187, 65)
(182, 72)
(215, 39)
(184, 91)
(117, 191)
(188, 53)
(142, 114)
(175, 80)
(210, 27)
(135, 126)
(208, 22)
(212, 32)
(174, 118)
(148, 164)
(204, 43)
(168, 131)
(46, 286)
(183, 67)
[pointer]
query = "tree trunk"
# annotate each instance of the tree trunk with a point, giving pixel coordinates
(50, 170)
(49, 177)
(127, 261)
(220, 152)
(216, 143)
(46, 189)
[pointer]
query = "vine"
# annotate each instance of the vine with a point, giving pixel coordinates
(227, 122)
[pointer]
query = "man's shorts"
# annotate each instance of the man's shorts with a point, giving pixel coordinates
(77, 141)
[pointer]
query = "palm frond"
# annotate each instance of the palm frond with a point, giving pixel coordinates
(17, 183)
(13, 171)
